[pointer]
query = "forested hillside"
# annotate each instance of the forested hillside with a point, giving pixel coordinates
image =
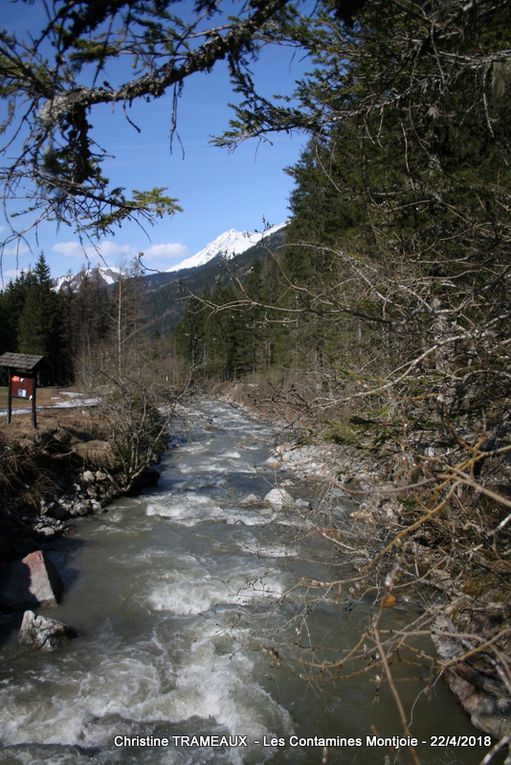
(72, 322)
(82, 330)
(168, 301)
(390, 299)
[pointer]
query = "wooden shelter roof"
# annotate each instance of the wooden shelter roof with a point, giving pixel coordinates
(22, 361)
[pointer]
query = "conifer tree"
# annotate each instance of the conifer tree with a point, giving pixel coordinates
(13, 299)
(39, 321)
(85, 324)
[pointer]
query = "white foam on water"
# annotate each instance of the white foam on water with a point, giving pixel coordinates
(190, 508)
(204, 481)
(196, 590)
(195, 447)
(221, 686)
(216, 684)
(120, 686)
(187, 508)
(221, 465)
(207, 467)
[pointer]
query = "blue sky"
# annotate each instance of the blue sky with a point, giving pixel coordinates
(217, 189)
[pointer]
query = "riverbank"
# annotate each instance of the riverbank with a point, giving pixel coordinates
(416, 555)
(305, 451)
(67, 468)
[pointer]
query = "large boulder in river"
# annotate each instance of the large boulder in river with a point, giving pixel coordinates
(278, 499)
(32, 581)
(44, 633)
(147, 479)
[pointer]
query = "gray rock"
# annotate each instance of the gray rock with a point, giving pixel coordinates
(46, 531)
(32, 581)
(278, 499)
(44, 633)
(250, 500)
(88, 476)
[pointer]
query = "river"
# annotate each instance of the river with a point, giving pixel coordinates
(191, 621)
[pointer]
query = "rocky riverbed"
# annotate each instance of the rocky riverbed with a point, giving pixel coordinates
(196, 613)
(336, 472)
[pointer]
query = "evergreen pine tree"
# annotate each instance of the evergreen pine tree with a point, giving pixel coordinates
(38, 327)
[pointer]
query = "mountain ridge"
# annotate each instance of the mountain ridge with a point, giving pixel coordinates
(228, 244)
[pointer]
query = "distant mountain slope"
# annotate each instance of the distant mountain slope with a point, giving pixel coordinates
(167, 302)
(227, 245)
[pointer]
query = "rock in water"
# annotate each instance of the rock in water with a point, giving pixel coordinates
(44, 633)
(33, 581)
(278, 498)
(250, 500)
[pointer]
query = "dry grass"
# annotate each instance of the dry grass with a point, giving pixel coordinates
(42, 461)
(79, 419)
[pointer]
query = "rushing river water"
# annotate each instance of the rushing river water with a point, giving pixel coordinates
(190, 622)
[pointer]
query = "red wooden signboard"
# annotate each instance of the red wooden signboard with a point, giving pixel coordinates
(22, 370)
(22, 387)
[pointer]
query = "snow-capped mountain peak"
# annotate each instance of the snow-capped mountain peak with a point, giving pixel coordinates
(107, 275)
(228, 244)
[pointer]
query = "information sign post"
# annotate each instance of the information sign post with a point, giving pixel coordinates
(22, 380)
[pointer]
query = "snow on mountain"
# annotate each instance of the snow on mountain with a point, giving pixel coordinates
(228, 244)
(106, 275)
